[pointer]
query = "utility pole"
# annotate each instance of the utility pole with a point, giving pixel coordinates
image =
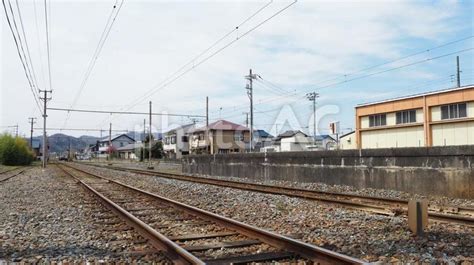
(249, 88)
(32, 121)
(109, 150)
(45, 99)
(312, 97)
(458, 72)
(149, 143)
(208, 148)
(143, 139)
(246, 119)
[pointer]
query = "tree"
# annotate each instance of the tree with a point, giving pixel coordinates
(156, 151)
(14, 151)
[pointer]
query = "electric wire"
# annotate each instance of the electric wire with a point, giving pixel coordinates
(156, 89)
(19, 55)
(103, 38)
(27, 46)
(48, 48)
(367, 75)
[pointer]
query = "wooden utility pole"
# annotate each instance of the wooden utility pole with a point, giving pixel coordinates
(32, 121)
(45, 99)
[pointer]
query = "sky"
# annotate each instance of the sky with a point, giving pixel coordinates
(350, 52)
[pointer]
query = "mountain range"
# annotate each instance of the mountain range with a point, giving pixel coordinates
(60, 142)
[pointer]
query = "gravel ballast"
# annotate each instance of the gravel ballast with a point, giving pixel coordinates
(46, 218)
(359, 234)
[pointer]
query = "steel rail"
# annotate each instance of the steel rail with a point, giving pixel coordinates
(400, 205)
(174, 252)
(8, 170)
(14, 175)
(314, 253)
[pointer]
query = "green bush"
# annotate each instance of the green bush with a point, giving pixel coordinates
(14, 151)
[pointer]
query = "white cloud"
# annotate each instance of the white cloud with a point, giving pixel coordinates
(305, 44)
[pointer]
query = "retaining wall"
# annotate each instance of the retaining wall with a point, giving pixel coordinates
(446, 171)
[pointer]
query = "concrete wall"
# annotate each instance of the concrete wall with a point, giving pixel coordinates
(446, 171)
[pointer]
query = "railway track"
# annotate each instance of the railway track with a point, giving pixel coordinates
(190, 235)
(2, 179)
(378, 205)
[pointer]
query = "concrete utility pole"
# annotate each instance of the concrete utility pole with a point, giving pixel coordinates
(249, 88)
(45, 99)
(458, 72)
(149, 143)
(143, 139)
(246, 119)
(32, 121)
(110, 141)
(208, 148)
(312, 97)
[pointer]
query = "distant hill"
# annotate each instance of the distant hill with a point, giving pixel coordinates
(59, 142)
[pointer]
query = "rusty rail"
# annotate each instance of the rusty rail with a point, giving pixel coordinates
(14, 175)
(378, 205)
(314, 253)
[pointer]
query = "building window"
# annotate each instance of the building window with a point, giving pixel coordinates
(454, 111)
(407, 116)
(121, 144)
(173, 139)
(377, 120)
(201, 136)
(184, 139)
(238, 136)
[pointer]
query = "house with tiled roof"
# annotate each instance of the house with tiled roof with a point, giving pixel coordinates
(220, 137)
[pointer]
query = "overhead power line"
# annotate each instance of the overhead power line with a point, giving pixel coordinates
(30, 81)
(48, 49)
(80, 129)
(126, 112)
(33, 72)
(155, 89)
(103, 38)
(237, 108)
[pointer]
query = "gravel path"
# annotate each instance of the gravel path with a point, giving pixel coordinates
(47, 218)
(358, 234)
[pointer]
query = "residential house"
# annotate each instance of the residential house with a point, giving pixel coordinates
(262, 139)
(176, 141)
(220, 137)
(324, 142)
(130, 151)
(119, 140)
(290, 141)
(348, 141)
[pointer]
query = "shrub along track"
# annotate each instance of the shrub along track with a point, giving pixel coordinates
(191, 235)
(377, 205)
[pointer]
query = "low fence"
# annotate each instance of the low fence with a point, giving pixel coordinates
(446, 171)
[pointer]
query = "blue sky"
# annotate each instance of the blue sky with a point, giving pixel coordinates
(311, 46)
